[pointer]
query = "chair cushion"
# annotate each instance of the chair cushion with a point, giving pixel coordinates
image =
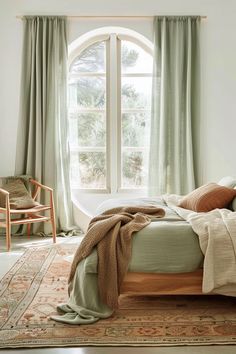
(18, 195)
(208, 197)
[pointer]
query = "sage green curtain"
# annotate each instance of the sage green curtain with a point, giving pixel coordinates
(175, 102)
(42, 143)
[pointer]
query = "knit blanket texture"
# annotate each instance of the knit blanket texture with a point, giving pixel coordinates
(111, 232)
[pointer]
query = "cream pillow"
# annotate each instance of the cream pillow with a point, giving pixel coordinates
(208, 197)
(227, 181)
(19, 196)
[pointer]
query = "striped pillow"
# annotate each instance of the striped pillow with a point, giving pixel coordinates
(208, 197)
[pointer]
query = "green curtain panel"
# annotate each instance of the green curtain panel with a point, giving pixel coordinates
(42, 142)
(175, 101)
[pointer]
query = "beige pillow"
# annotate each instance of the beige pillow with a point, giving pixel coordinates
(208, 197)
(19, 196)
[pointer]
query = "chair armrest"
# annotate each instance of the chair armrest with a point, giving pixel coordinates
(4, 192)
(36, 183)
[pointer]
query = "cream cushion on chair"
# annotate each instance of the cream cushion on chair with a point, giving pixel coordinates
(18, 195)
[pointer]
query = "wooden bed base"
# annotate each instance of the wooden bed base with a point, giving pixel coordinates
(163, 284)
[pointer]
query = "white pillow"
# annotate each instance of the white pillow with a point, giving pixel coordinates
(228, 181)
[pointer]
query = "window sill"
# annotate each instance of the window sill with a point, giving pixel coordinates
(108, 191)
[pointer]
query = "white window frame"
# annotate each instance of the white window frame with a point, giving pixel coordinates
(113, 37)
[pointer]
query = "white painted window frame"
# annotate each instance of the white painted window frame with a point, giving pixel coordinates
(113, 40)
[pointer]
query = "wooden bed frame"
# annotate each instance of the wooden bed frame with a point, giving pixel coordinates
(163, 284)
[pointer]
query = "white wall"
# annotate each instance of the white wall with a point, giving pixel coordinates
(218, 113)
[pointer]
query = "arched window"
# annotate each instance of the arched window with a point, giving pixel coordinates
(109, 111)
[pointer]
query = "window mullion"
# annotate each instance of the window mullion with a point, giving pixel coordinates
(113, 111)
(118, 95)
(108, 114)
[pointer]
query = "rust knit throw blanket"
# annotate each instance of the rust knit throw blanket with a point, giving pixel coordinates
(111, 233)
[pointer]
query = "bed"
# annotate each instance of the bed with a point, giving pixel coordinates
(172, 239)
(178, 249)
(167, 257)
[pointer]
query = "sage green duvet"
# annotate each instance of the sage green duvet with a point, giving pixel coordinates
(167, 245)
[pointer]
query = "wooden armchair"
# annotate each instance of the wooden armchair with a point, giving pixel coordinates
(30, 215)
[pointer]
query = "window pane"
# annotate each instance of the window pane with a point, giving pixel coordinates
(135, 129)
(87, 92)
(88, 129)
(134, 169)
(87, 124)
(134, 59)
(136, 112)
(136, 92)
(92, 59)
(88, 170)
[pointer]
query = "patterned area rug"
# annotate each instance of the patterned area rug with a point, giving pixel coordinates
(38, 281)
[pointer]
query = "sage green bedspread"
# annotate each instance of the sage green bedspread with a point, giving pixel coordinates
(167, 245)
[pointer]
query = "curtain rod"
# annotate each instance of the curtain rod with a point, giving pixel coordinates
(116, 16)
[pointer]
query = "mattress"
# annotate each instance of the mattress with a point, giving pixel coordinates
(166, 245)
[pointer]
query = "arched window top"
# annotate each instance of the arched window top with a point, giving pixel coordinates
(103, 33)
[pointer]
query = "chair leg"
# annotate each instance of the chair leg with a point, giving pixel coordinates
(54, 233)
(28, 229)
(52, 214)
(8, 231)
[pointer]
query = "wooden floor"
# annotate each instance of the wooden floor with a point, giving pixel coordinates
(124, 350)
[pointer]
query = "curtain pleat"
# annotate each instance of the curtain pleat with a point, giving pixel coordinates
(42, 142)
(174, 105)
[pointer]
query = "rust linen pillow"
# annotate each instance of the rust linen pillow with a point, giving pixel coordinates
(19, 197)
(208, 197)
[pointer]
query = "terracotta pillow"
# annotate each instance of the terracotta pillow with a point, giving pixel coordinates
(208, 197)
(19, 196)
